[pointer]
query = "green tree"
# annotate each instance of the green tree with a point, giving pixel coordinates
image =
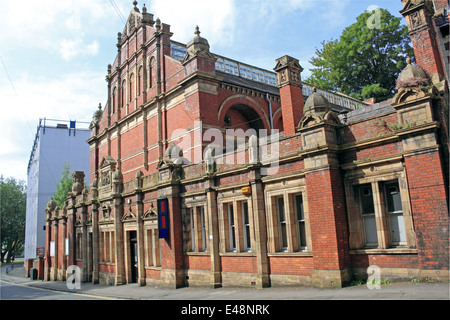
(13, 201)
(366, 60)
(64, 186)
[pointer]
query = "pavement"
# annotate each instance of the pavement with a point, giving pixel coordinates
(391, 291)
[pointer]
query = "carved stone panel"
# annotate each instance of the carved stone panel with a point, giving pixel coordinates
(107, 170)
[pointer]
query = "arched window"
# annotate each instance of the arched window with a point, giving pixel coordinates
(124, 94)
(114, 101)
(132, 87)
(140, 83)
(151, 73)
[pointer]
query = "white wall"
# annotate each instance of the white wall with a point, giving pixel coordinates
(55, 148)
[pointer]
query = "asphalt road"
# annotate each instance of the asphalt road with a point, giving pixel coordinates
(13, 291)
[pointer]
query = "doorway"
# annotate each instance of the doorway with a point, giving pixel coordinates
(133, 257)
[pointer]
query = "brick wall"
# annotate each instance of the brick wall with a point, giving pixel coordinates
(385, 260)
(238, 264)
(292, 108)
(430, 209)
(291, 265)
(328, 219)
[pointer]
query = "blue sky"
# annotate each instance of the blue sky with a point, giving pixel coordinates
(54, 53)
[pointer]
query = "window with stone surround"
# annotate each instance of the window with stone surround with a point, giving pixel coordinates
(151, 72)
(379, 213)
(231, 227)
(151, 238)
(235, 221)
(140, 82)
(195, 234)
(288, 222)
(78, 237)
(107, 246)
(123, 94)
(114, 101)
(132, 87)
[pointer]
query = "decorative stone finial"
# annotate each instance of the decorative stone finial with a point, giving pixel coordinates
(135, 3)
(412, 76)
(197, 31)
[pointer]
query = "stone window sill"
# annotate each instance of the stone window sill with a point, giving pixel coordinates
(385, 251)
(194, 253)
(234, 254)
(153, 268)
(290, 254)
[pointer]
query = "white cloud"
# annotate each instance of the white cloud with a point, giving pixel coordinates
(215, 21)
(68, 97)
(40, 24)
(72, 48)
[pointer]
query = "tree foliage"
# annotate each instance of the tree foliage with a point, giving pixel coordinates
(366, 60)
(13, 201)
(64, 186)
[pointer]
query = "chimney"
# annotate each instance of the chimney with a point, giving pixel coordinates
(290, 84)
(419, 18)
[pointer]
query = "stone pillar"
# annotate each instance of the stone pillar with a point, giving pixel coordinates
(140, 238)
(95, 245)
(84, 245)
(259, 222)
(291, 94)
(47, 261)
(71, 212)
(213, 227)
(63, 253)
(119, 278)
(54, 269)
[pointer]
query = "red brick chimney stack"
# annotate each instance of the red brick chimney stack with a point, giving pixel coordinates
(290, 84)
(419, 17)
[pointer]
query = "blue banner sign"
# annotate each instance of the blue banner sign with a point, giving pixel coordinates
(163, 218)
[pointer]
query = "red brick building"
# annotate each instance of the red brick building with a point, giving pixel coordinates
(345, 185)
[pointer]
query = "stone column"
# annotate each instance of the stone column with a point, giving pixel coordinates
(259, 222)
(140, 239)
(84, 245)
(213, 228)
(54, 269)
(119, 241)
(47, 262)
(71, 212)
(95, 245)
(63, 253)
